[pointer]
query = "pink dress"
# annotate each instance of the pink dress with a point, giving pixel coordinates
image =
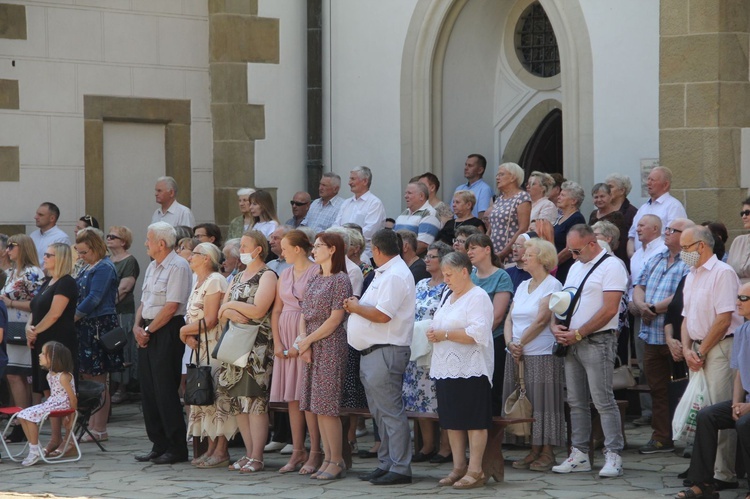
(288, 374)
(58, 400)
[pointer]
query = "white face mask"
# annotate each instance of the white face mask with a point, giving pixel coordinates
(247, 258)
(690, 258)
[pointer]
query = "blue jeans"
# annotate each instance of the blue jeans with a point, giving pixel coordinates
(588, 372)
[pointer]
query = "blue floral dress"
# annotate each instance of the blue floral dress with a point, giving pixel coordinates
(419, 389)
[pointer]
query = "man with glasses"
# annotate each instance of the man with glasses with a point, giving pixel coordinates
(592, 341)
(708, 330)
(654, 288)
(47, 231)
(300, 206)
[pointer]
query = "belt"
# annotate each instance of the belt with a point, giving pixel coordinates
(724, 338)
(368, 351)
(146, 322)
(600, 332)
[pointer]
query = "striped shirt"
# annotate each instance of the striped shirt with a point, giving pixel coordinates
(422, 222)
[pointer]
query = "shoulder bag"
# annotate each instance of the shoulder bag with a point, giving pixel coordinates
(15, 333)
(235, 343)
(518, 406)
(115, 340)
(199, 386)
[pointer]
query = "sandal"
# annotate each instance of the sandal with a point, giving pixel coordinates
(238, 464)
(199, 459)
(308, 469)
(294, 466)
(212, 462)
(325, 475)
(705, 491)
(252, 467)
(471, 480)
(544, 462)
(320, 470)
(455, 475)
(524, 463)
(100, 436)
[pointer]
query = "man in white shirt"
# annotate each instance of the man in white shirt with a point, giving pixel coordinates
(47, 231)
(419, 216)
(661, 204)
(170, 211)
(364, 208)
(592, 341)
(324, 210)
(473, 171)
(380, 327)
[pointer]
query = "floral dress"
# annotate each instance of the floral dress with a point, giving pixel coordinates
(419, 389)
(58, 399)
(21, 286)
(504, 219)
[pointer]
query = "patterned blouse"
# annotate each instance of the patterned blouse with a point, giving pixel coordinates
(22, 286)
(504, 219)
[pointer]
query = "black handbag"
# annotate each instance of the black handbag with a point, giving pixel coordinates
(199, 385)
(15, 333)
(115, 340)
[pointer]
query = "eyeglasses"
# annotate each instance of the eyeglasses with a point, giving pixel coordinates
(112, 236)
(459, 241)
(82, 253)
(745, 213)
(49, 255)
(297, 203)
(685, 248)
(671, 230)
(316, 246)
(743, 298)
(201, 236)
(430, 257)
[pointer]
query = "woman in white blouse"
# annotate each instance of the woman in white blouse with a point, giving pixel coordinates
(538, 186)
(462, 366)
(739, 252)
(528, 336)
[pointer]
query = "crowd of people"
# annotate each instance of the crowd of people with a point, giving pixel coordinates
(437, 310)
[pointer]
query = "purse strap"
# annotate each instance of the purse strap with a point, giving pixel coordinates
(201, 327)
(519, 377)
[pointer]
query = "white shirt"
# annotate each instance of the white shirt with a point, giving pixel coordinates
(175, 215)
(367, 211)
(666, 207)
(393, 292)
(526, 310)
(355, 276)
(266, 228)
(473, 313)
(640, 257)
(609, 276)
(43, 240)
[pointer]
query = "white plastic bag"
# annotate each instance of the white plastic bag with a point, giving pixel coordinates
(693, 400)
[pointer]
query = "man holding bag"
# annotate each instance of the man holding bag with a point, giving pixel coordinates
(734, 413)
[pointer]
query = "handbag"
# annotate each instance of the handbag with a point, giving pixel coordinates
(15, 333)
(235, 343)
(199, 386)
(622, 377)
(518, 406)
(115, 340)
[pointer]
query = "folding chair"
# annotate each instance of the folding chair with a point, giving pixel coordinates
(69, 442)
(90, 401)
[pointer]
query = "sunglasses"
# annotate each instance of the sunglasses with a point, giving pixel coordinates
(296, 203)
(49, 255)
(112, 236)
(12, 245)
(745, 213)
(743, 298)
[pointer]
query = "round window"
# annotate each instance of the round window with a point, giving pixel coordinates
(536, 44)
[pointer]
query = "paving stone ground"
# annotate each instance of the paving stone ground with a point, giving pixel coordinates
(116, 474)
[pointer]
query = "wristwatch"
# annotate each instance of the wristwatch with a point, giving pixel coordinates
(147, 331)
(578, 336)
(652, 308)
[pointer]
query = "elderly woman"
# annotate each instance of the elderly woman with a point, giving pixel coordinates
(185, 246)
(248, 301)
(288, 369)
(462, 234)
(529, 339)
(462, 365)
(511, 212)
(569, 201)
(739, 251)
(264, 212)
(620, 186)
(245, 221)
(213, 421)
(498, 285)
(95, 316)
(119, 240)
(463, 204)
(232, 262)
(539, 186)
(52, 318)
(24, 280)
(418, 388)
(356, 248)
(607, 232)
(324, 347)
(605, 211)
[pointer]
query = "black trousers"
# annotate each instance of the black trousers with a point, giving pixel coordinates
(498, 376)
(709, 421)
(159, 369)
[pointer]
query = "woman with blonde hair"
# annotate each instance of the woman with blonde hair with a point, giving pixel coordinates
(511, 212)
(463, 204)
(263, 211)
(538, 186)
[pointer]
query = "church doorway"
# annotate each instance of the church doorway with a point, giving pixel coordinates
(544, 150)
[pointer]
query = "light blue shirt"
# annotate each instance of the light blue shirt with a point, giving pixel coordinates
(482, 191)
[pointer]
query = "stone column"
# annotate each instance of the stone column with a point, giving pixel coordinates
(704, 102)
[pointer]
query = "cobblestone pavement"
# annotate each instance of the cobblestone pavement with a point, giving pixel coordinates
(116, 474)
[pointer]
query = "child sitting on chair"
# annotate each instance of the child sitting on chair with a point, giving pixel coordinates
(58, 360)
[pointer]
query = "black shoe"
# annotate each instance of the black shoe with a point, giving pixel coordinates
(391, 478)
(144, 458)
(366, 454)
(420, 458)
(16, 435)
(438, 459)
(170, 458)
(722, 485)
(377, 472)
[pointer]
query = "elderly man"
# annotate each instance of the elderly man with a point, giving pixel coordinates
(231, 263)
(170, 210)
(417, 265)
(324, 210)
(47, 231)
(300, 206)
(474, 168)
(166, 288)
(708, 330)
(274, 243)
(419, 217)
(364, 208)
(654, 288)
(380, 327)
(660, 203)
(591, 337)
(733, 412)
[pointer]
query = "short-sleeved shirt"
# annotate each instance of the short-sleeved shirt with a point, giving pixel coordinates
(525, 311)
(322, 216)
(367, 211)
(423, 222)
(504, 223)
(741, 356)
(498, 282)
(609, 276)
(127, 267)
(660, 281)
(482, 191)
(392, 292)
(517, 276)
(356, 277)
(176, 215)
(168, 281)
(43, 240)
(641, 257)
(666, 207)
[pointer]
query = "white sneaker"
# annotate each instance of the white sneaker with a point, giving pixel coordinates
(32, 458)
(274, 446)
(361, 432)
(612, 467)
(576, 463)
(288, 449)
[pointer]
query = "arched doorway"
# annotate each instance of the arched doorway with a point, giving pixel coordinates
(544, 150)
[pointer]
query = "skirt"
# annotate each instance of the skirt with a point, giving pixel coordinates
(545, 377)
(92, 358)
(464, 403)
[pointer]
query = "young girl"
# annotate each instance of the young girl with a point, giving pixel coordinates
(57, 359)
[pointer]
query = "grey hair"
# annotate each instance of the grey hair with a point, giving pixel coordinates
(343, 232)
(514, 170)
(233, 247)
(457, 260)
(545, 180)
(608, 230)
(309, 232)
(335, 178)
(666, 172)
(653, 219)
(171, 183)
(245, 191)
(212, 252)
(357, 239)
(601, 186)
(364, 173)
(441, 248)
(162, 231)
(408, 237)
(421, 188)
(622, 181)
(701, 233)
(575, 190)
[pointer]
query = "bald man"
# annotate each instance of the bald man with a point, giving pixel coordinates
(300, 206)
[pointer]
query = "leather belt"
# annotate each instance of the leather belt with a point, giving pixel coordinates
(146, 322)
(724, 338)
(368, 351)
(600, 332)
